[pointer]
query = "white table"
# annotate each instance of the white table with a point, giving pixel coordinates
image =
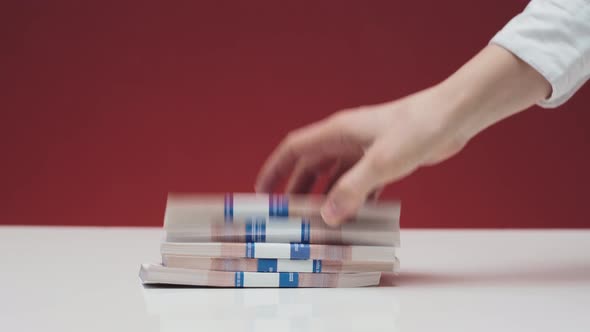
(85, 279)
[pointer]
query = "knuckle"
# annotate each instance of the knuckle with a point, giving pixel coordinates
(287, 149)
(306, 165)
(341, 124)
(340, 119)
(291, 139)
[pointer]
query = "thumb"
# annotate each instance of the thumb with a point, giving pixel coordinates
(350, 192)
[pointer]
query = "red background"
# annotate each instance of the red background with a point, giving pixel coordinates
(108, 105)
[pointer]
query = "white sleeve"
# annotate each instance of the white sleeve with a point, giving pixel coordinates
(552, 36)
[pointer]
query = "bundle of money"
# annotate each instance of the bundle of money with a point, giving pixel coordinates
(262, 240)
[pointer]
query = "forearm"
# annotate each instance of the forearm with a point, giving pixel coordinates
(492, 86)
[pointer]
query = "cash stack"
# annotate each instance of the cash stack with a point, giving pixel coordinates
(267, 240)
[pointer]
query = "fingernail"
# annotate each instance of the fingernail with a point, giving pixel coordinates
(331, 212)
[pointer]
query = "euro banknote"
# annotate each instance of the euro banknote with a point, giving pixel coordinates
(276, 265)
(279, 250)
(285, 230)
(158, 274)
(189, 208)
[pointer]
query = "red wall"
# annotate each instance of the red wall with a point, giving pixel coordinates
(109, 105)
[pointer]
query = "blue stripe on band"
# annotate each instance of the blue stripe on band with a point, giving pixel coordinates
(228, 207)
(300, 251)
(239, 279)
(317, 266)
(305, 230)
(267, 265)
(250, 250)
(255, 229)
(278, 206)
(288, 279)
(261, 232)
(249, 231)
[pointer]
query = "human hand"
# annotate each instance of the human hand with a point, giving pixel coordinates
(366, 148)
(361, 150)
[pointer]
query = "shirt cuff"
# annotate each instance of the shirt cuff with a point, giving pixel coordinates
(551, 37)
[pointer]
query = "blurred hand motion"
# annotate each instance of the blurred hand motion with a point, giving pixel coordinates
(363, 149)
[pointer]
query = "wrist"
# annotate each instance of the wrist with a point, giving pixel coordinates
(492, 86)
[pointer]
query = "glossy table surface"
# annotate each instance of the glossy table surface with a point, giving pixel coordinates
(85, 279)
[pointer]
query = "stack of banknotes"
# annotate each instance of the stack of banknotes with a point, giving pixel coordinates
(260, 240)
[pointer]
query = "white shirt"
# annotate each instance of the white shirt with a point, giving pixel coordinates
(552, 36)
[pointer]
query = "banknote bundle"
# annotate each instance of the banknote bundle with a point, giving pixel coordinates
(269, 240)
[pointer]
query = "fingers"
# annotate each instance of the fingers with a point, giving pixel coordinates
(302, 180)
(320, 140)
(341, 167)
(350, 192)
(377, 168)
(374, 195)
